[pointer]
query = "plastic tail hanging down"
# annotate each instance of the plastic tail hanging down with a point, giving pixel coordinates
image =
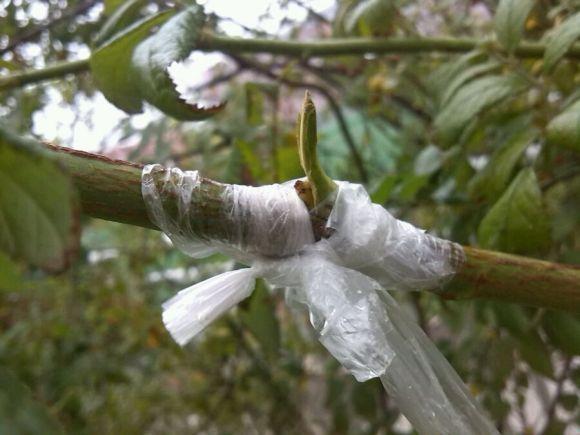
(342, 281)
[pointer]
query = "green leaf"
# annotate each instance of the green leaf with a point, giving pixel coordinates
(145, 77)
(383, 190)
(174, 41)
(569, 401)
(254, 104)
(410, 187)
(39, 213)
(466, 76)
(121, 18)
(510, 19)
(533, 351)
(564, 129)
(9, 275)
(261, 321)
(112, 70)
(112, 5)
(473, 98)
(560, 40)
(20, 413)
(288, 161)
(364, 398)
(501, 357)
(517, 222)
(490, 182)
(370, 17)
(440, 78)
(10, 66)
(252, 160)
(563, 329)
(528, 342)
(429, 160)
(511, 317)
(555, 427)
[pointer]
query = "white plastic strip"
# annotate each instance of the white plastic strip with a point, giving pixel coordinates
(192, 309)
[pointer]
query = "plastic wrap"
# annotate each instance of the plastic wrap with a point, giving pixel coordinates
(340, 280)
(246, 222)
(393, 252)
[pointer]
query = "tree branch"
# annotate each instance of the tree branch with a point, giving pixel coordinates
(307, 49)
(361, 46)
(513, 278)
(550, 413)
(111, 189)
(38, 75)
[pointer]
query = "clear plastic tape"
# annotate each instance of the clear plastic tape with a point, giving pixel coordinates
(202, 217)
(343, 305)
(395, 253)
(365, 329)
(340, 281)
(426, 388)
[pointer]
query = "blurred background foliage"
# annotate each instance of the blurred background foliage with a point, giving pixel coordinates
(482, 148)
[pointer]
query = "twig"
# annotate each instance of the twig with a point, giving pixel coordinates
(312, 12)
(35, 32)
(37, 75)
(558, 178)
(218, 80)
(559, 388)
(263, 367)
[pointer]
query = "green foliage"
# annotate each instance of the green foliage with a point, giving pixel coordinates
(490, 182)
(260, 319)
(9, 275)
(39, 210)
(20, 414)
(122, 17)
(113, 5)
(465, 76)
(517, 222)
(527, 341)
(145, 76)
(254, 104)
(560, 40)
(173, 42)
(564, 331)
(252, 160)
(509, 22)
(444, 74)
(564, 129)
(429, 160)
(113, 74)
(471, 99)
(371, 17)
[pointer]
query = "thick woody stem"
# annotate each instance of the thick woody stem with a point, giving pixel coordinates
(111, 189)
(513, 278)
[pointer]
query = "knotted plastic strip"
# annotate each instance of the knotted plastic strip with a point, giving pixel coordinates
(340, 280)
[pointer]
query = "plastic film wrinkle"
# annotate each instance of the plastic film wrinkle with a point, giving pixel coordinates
(341, 281)
(203, 217)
